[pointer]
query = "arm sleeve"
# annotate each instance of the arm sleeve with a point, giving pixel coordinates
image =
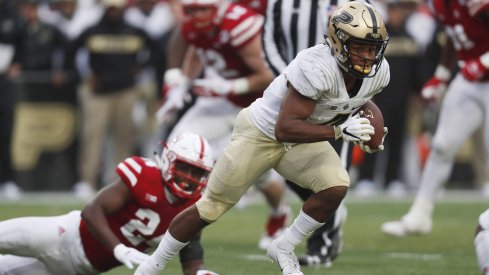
(192, 251)
(273, 38)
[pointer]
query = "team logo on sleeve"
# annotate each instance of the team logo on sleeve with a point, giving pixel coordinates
(151, 198)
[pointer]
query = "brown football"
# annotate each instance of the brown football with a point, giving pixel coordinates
(372, 112)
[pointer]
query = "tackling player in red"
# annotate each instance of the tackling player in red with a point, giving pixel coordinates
(125, 219)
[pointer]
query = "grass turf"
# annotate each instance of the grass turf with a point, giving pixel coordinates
(231, 243)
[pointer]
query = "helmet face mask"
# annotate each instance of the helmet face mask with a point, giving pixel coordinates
(185, 165)
(200, 17)
(358, 38)
(203, 15)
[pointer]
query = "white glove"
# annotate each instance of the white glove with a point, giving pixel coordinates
(367, 149)
(205, 272)
(355, 128)
(149, 268)
(215, 85)
(436, 87)
(176, 93)
(129, 256)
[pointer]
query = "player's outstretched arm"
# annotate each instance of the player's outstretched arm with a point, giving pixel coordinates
(110, 200)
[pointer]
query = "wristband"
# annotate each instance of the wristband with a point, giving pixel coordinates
(175, 76)
(485, 60)
(337, 132)
(240, 86)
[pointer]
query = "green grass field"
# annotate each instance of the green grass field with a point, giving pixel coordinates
(231, 243)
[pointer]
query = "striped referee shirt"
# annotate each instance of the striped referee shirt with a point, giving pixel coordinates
(294, 25)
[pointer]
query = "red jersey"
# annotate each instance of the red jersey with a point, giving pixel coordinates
(218, 48)
(464, 25)
(260, 6)
(142, 221)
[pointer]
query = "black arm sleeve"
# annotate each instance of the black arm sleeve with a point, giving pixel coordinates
(192, 251)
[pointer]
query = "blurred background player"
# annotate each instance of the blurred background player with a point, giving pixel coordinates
(109, 92)
(467, 25)
(223, 41)
(10, 45)
(124, 220)
(410, 66)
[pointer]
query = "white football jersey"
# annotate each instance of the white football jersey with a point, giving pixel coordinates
(315, 74)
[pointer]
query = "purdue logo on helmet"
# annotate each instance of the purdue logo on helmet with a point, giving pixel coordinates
(360, 23)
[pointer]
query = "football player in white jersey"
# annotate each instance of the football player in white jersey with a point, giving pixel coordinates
(125, 219)
(288, 130)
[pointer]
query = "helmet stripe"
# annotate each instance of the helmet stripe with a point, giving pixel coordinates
(202, 147)
(374, 19)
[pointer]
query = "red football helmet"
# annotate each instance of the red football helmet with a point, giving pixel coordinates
(186, 164)
(203, 15)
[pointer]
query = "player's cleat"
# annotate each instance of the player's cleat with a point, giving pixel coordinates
(324, 250)
(11, 190)
(410, 224)
(276, 225)
(84, 191)
(286, 260)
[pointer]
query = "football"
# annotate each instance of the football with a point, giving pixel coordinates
(372, 112)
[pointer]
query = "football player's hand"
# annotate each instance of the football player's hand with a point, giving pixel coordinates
(149, 268)
(436, 87)
(175, 93)
(129, 256)
(355, 128)
(212, 87)
(367, 148)
(175, 100)
(215, 85)
(205, 272)
(474, 70)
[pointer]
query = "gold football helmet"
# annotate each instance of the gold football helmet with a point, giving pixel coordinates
(361, 23)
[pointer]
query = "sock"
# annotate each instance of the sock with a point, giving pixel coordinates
(435, 175)
(302, 227)
(167, 249)
(280, 210)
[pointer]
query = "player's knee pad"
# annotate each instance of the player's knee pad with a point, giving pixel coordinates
(210, 210)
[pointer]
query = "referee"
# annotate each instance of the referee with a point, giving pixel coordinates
(292, 26)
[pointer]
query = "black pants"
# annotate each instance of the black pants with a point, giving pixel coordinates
(7, 105)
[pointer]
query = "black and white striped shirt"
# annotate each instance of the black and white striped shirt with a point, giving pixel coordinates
(294, 25)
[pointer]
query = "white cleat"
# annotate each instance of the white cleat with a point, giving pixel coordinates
(409, 224)
(286, 260)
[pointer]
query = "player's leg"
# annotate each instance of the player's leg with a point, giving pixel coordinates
(43, 238)
(453, 129)
(11, 264)
(123, 126)
(482, 242)
(95, 118)
(272, 186)
(315, 166)
(324, 244)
